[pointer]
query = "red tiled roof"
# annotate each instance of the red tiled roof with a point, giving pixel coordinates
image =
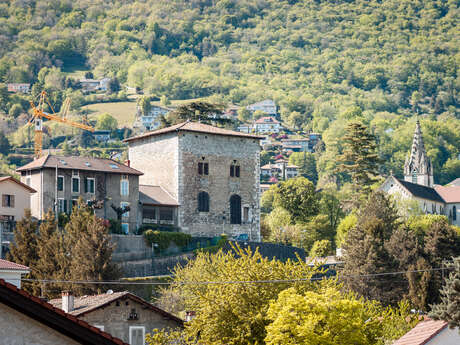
(54, 318)
(449, 194)
(8, 265)
(87, 304)
(11, 178)
(194, 127)
(80, 163)
(422, 333)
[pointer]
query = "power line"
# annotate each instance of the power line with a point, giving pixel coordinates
(270, 281)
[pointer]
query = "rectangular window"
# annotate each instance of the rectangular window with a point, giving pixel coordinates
(124, 185)
(166, 213)
(60, 183)
(7, 200)
(246, 214)
(203, 168)
(89, 185)
(125, 228)
(75, 185)
(232, 170)
(62, 206)
(136, 335)
(124, 204)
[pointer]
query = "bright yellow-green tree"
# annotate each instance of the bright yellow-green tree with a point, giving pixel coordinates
(325, 317)
(230, 304)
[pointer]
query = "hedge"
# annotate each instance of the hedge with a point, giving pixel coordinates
(164, 238)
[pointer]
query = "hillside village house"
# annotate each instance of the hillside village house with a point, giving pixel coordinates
(15, 200)
(18, 87)
(27, 319)
(90, 85)
(418, 184)
(211, 174)
(267, 124)
(282, 170)
(150, 121)
(61, 180)
(267, 106)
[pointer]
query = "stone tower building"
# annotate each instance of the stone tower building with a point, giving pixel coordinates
(418, 168)
(212, 173)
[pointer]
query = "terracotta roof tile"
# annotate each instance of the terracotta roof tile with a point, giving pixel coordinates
(47, 306)
(80, 163)
(422, 333)
(449, 194)
(8, 265)
(267, 119)
(194, 127)
(155, 195)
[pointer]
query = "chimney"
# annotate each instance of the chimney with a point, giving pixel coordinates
(128, 162)
(67, 301)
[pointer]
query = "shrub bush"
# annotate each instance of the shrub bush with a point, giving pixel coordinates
(164, 238)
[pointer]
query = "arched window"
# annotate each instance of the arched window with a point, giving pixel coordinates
(203, 202)
(454, 213)
(235, 209)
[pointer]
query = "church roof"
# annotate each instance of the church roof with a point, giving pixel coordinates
(421, 191)
(450, 194)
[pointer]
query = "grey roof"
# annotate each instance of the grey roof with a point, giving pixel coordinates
(420, 191)
(156, 196)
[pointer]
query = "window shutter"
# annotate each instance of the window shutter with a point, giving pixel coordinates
(200, 168)
(12, 200)
(4, 200)
(237, 171)
(232, 170)
(65, 206)
(206, 168)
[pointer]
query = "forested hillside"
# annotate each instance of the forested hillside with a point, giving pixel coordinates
(323, 62)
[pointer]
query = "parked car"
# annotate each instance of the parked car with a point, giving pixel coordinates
(241, 237)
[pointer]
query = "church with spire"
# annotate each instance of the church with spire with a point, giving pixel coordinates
(418, 168)
(418, 183)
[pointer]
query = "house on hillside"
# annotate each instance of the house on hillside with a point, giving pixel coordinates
(267, 106)
(150, 121)
(101, 135)
(281, 170)
(18, 87)
(12, 273)
(27, 319)
(61, 180)
(267, 124)
(430, 332)
(122, 314)
(418, 184)
(15, 200)
(91, 85)
(211, 173)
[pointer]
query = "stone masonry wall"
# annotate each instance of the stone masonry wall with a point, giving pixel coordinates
(157, 158)
(220, 152)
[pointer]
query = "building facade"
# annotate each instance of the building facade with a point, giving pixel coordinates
(211, 173)
(150, 121)
(15, 199)
(60, 181)
(267, 124)
(267, 106)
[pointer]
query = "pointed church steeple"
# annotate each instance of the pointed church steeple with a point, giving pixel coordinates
(418, 168)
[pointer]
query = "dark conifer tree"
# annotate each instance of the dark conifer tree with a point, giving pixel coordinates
(449, 308)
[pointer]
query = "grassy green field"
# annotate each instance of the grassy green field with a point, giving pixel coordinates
(124, 112)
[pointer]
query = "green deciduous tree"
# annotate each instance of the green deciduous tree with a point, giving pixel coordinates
(321, 248)
(106, 122)
(298, 197)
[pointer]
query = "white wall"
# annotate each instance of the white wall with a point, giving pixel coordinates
(21, 199)
(11, 277)
(446, 337)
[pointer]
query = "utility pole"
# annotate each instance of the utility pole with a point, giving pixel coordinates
(1, 239)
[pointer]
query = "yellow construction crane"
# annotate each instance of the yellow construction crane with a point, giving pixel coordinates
(39, 114)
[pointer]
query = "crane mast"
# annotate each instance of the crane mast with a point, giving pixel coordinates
(39, 114)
